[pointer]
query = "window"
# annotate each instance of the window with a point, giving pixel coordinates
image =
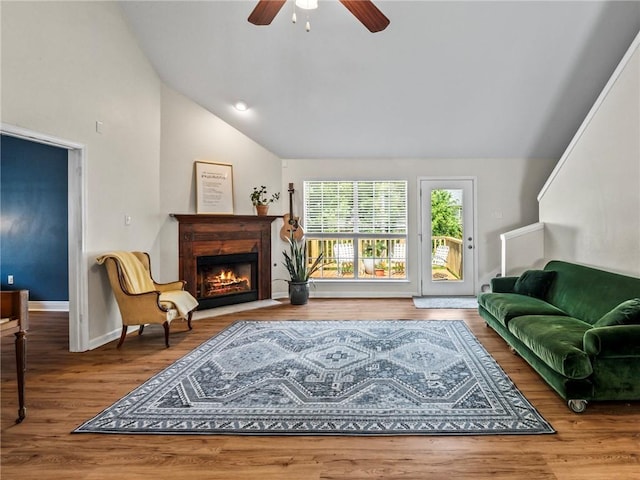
(361, 227)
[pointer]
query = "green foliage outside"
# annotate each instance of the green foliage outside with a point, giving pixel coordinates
(445, 215)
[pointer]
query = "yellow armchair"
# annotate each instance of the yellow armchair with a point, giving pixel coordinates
(140, 299)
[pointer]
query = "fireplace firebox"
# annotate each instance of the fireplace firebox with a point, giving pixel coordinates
(226, 279)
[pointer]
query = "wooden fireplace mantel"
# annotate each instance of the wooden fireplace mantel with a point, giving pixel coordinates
(203, 234)
(221, 219)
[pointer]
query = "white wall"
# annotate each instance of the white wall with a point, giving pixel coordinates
(67, 65)
(506, 199)
(190, 133)
(591, 204)
(64, 67)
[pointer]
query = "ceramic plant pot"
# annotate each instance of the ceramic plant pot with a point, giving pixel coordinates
(299, 293)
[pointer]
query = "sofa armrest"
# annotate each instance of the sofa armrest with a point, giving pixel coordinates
(614, 341)
(503, 284)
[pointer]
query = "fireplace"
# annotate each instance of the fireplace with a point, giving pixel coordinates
(225, 259)
(226, 279)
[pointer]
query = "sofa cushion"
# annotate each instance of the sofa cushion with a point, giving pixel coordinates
(558, 341)
(534, 283)
(505, 306)
(588, 293)
(626, 313)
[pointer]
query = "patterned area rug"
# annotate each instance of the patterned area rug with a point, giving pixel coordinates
(329, 377)
(445, 302)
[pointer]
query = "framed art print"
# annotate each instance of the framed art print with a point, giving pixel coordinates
(214, 188)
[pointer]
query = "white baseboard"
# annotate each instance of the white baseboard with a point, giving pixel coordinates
(48, 306)
(356, 295)
(350, 294)
(110, 337)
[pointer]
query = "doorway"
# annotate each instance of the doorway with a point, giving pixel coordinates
(78, 281)
(447, 218)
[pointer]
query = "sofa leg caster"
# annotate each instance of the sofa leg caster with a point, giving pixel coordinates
(513, 350)
(577, 406)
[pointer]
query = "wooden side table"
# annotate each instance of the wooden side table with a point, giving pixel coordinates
(14, 312)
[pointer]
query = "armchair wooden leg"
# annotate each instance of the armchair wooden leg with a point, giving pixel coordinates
(189, 320)
(166, 333)
(123, 335)
(141, 329)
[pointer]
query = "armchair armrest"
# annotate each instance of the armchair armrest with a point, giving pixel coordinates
(167, 287)
(503, 284)
(614, 341)
(142, 308)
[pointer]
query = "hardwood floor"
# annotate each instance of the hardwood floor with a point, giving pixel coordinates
(64, 389)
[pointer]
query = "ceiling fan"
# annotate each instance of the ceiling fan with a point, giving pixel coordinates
(364, 10)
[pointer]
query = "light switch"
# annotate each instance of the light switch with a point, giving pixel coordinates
(127, 220)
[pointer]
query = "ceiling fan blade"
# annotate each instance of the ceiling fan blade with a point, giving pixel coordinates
(367, 13)
(265, 11)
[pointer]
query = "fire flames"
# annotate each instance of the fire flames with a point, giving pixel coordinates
(227, 276)
(225, 282)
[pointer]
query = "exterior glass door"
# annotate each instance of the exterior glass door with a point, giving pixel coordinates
(447, 215)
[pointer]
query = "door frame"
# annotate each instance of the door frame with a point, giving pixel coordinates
(76, 197)
(419, 214)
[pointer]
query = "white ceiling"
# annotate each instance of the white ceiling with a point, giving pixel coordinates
(465, 79)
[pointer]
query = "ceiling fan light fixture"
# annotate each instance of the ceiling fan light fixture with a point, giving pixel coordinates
(364, 10)
(307, 4)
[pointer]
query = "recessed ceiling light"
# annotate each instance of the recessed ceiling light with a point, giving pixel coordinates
(241, 106)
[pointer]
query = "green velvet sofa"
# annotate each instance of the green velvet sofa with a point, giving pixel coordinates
(578, 327)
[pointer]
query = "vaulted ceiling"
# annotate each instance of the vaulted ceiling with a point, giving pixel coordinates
(465, 79)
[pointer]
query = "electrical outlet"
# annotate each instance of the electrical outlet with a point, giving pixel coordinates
(10, 279)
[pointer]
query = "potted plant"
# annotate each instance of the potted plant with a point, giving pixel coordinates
(372, 252)
(299, 270)
(260, 199)
(380, 268)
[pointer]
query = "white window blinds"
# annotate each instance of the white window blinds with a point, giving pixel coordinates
(364, 207)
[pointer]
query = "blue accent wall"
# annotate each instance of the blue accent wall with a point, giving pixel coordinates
(34, 218)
